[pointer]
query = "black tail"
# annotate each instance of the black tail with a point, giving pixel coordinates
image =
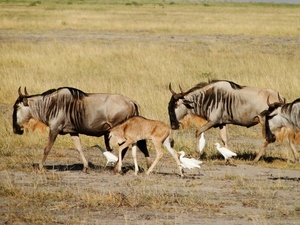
(142, 145)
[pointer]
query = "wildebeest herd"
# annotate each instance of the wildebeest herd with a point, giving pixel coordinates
(216, 103)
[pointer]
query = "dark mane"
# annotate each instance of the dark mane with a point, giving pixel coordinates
(198, 86)
(76, 93)
(48, 92)
(232, 84)
(289, 106)
(203, 84)
(296, 101)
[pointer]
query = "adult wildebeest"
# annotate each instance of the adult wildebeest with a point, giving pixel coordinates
(282, 118)
(68, 110)
(221, 102)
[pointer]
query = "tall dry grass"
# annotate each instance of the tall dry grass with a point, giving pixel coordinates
(138, 48)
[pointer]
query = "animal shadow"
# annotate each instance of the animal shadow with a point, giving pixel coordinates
(71, 167)
(79, 167)
(285, 178)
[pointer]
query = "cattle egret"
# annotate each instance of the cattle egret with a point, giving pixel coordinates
(111, 158)
(188, 163)
(225, 152)
(202, 142)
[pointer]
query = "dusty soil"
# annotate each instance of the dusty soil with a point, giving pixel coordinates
(217, 194)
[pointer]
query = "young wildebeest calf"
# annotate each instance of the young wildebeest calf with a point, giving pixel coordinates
(139, 128)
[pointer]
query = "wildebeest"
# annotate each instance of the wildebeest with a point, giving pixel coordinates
(280, 117)
(139, 128)
(67, 110)
(221, 102)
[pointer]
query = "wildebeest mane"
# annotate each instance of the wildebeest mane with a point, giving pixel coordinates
(287, 108)
(204, 84)
(76, 93)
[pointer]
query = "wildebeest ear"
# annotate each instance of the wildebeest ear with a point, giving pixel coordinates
(25, 101)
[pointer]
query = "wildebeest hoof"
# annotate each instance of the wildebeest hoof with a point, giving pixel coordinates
(84, 170)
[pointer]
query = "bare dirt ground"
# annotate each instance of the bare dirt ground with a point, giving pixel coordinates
(215, 194)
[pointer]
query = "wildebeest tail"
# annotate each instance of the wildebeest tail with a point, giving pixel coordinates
(171, 139)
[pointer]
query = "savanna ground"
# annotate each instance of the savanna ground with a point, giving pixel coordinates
(136, 48)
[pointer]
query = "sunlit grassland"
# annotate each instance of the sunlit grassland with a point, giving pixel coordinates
(138, 48)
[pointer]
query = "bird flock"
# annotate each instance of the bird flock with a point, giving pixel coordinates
(187, 163)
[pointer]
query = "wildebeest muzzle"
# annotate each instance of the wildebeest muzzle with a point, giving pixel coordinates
(17, 129)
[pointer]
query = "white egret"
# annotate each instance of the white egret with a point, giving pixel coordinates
(225, 152)
(188, 163)
(202, 142)
(111, 158)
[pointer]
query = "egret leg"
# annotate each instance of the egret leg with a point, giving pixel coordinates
(167, 144)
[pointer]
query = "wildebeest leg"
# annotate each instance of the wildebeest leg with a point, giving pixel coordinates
(168, 145)
(118, 166)
(136, 167)
(52, 137)
(159, 154)
(142, 145)
(293, 149)
(223, 133)
(106, 141)
(261, 151)
(77, 144)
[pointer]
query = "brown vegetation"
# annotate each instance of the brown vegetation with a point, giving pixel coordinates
(137, 49)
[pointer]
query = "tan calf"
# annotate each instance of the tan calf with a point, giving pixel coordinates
(139, 128)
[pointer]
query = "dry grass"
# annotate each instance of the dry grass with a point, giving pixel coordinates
(137, 49)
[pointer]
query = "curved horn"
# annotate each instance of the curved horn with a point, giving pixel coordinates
(19, 92)
(171, 90)
(25, 91)
(181, 90)
(281, 100)
(268, 102)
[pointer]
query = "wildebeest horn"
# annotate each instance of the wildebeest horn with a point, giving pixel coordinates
(19, 91)
(281, 100)
(26, 93)
(171, 90)
(275, 104)
(268, 102)
(181, 90)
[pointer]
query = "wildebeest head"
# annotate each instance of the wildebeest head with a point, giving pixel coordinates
(272, 120)
(21, 112)
(178, 107)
